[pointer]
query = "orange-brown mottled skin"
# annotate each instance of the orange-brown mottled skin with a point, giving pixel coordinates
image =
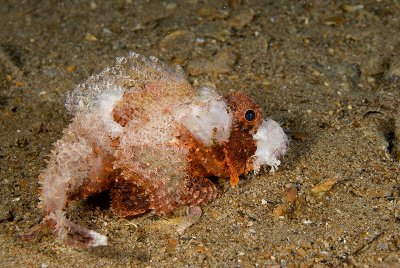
(229, 159)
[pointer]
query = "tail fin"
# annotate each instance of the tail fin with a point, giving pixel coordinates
(74, 234)
(67, 170)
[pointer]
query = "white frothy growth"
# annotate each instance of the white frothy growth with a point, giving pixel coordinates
(104, 106)
(207, 118)
(272, 143)
(97, 239)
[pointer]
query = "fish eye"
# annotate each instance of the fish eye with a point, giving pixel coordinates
(250, 115)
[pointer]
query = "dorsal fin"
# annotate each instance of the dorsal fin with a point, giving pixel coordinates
(131, 71)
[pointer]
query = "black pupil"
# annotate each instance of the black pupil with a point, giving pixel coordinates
(250, 115)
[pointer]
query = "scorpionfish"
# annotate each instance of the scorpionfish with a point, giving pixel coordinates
(141, 131)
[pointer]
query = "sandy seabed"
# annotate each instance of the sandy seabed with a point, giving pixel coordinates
(328, 71)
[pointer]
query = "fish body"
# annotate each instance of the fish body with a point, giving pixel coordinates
(143, 132)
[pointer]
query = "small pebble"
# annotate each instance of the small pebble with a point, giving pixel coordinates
(241, 17)
(324, 186)
(19, 83)
(301, 252)
(334, 21)
(252, 231)
(71, 68)
(290, 195)
(316, 73)
(90, 37)
(352, 8)
(279, 210)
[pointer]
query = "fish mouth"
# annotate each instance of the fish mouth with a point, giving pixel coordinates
(272, 144)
